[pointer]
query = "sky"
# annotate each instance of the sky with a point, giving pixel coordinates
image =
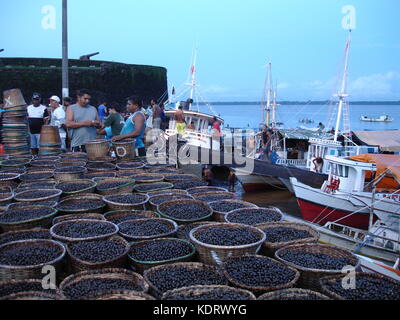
(235, 39)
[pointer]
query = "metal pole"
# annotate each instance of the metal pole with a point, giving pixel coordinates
(65, 81)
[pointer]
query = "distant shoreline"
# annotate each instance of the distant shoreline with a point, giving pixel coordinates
(241, 103)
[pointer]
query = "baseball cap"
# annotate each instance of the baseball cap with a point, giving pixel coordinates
(36, 96)
(55, 98)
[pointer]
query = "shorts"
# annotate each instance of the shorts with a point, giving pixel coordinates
(157, 123)
(180, 127)
(35, 139)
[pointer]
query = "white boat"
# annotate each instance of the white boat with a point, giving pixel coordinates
(352, 195)
(382, 118)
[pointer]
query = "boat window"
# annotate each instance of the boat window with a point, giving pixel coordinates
(339, 170)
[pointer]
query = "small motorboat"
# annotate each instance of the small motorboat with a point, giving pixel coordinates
(382, 118)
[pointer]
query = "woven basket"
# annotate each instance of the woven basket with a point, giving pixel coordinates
(196, 292)
(154, 200)
(222, 195)
(257, 290)
(179, 177)
(108, 273)
(148, 177)
(182, 234)
(70, 163)
(220, 215)
(115, 216)
(33, 295)
(85, 196)
(271, 213)
(52, 197)
(156, 292)
(119, 295)
(141, 266)
(129, 165)
(74, 155)
(97, 149)
(69, 175)
(44, 184)
(112, 206)
(9, 196)
(47, 175)
(34, 271)
(104, 175)
(326, 280)
(170, 191)
(161, 209)
(41, 222)
(43, 164)
(213, 254)
(78, 265)
(125, 149)
(78, 199)
(91, 186)
(269, 248)
(151, 187)
(24, 286)
(4, 236)
(293, 294)
(173, 227)
(106, 166)
(79, 216)
(8, 177)
(128, 173)
(310, 278)
(127, 187)
(53, 231)
(19, 205)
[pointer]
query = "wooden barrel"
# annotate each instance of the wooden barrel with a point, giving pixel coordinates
(97, 149)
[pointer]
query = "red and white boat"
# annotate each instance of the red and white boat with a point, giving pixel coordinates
(352, 196)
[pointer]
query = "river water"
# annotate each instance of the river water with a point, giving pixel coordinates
(243, 116)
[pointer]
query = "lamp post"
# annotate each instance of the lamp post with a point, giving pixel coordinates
(65, 81)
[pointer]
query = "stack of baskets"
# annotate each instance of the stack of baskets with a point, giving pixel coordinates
(50, 141)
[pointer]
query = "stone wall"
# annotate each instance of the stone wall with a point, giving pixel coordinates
(110, 80)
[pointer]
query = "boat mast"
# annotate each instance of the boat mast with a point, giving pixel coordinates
(192, 83)
(268, 106)
(274, 105)
(342, 93)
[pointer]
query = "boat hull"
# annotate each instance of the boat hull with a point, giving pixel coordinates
(321, 214)
(253, 183)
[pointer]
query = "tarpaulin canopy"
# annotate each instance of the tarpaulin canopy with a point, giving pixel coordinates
(383, 163)
(388, 140)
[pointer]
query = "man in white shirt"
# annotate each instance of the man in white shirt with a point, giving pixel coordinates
(58, 118)
(37, 116)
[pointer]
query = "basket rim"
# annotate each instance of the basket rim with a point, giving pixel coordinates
(66, 217)
(138, 238)
(125, 204)
(162, 261)
(115, 238)
(168, 194)
(141, 166)
(304, 269)
(11, 192)
(167, 191)
(198, 195)
(13, 176)
(278, 211)
(205, 288)
(93, 185)
(167, 185)
(250, 288)
(205, 204)
(81, 170)
(34, 294)
(76, 277)
(271, 225)
(69, 239)
(253, 206)
(55, 195)
(54, 242)
(54, 212)
(209, 246)
(294, 291)
(129, 183)
(129, 293)
(80, 210)
(128, 211)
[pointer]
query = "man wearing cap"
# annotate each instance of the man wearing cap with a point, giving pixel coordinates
(58, 119)
(38, 116)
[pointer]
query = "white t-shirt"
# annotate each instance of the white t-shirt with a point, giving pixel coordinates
(57, 119)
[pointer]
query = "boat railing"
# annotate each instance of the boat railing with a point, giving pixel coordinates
(324, 142)
(292, 162)
(363, 236)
